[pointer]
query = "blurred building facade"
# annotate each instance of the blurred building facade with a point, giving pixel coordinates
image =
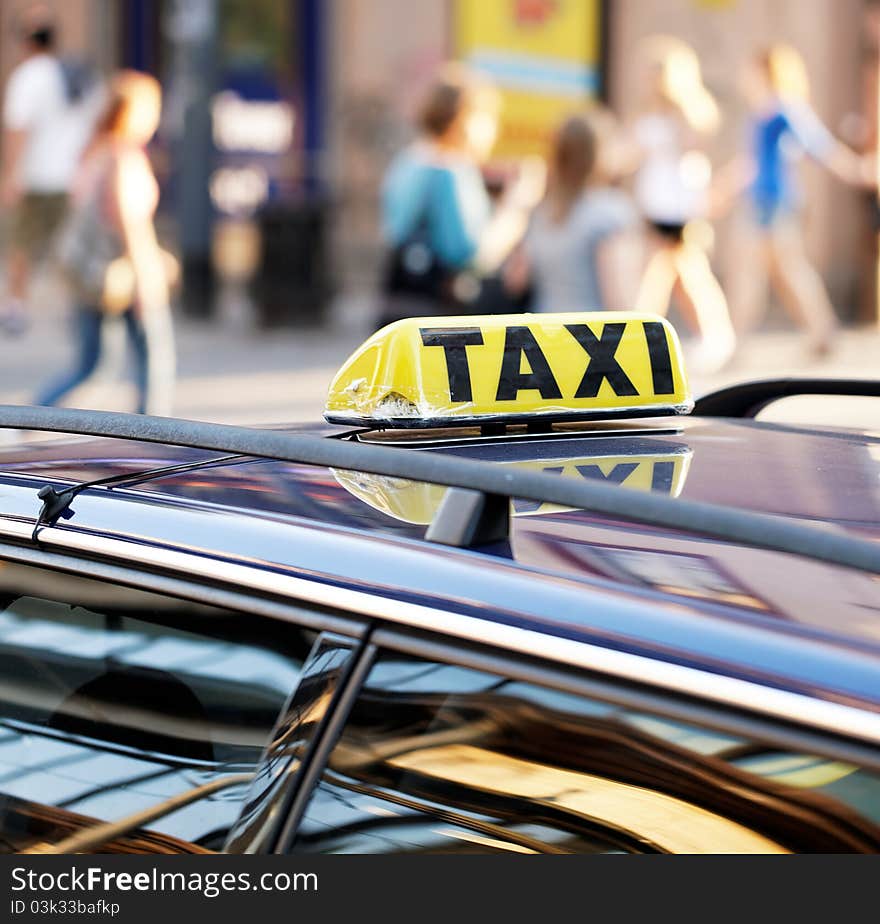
(281, 115)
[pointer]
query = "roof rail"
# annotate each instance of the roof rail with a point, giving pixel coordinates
(724, 523)
(748, 399)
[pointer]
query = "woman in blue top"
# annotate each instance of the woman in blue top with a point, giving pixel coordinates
(784, 127)
(437, 218)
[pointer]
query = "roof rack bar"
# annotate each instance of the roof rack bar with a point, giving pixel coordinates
(724, 523)
(748, 399)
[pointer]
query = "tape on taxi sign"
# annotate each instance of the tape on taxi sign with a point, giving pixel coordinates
(417, 502)
(435, 372)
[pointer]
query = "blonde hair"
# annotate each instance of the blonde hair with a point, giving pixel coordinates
(681, 82)
(133, 108)
(786, 72)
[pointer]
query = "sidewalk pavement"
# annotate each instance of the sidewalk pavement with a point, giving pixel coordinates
(230, 372)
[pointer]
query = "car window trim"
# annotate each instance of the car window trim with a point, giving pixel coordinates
(740, 722)
(825, 715)
(306, 614)
(321, 746)
(276, 800)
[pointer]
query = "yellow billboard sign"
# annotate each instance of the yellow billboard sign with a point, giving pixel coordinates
(542, 54)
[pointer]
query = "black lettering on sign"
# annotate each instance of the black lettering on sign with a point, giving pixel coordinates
(455, 341)
(602, 364)
(661, 362)
(521, 505)
(617, 475)
(662, 477)
(519, 341)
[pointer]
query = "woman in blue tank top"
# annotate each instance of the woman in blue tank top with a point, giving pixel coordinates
(784, 127)
(442, 231)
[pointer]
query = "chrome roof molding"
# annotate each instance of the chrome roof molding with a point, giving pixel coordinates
(818, 714)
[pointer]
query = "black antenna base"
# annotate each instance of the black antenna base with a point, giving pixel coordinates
(54, 504)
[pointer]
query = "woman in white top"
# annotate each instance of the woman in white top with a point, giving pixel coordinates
(671, 189)
(110, 252)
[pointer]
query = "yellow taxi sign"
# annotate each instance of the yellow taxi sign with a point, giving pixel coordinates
(417, 502)
(436, 372)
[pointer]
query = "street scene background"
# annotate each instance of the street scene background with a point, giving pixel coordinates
(281, 117)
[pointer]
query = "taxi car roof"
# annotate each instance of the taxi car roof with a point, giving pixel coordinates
(809, 474)
(762, 616)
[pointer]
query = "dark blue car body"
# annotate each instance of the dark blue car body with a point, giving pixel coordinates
(693, 617)
(748, 613)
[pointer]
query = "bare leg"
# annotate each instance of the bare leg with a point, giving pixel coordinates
(655, 289)
(747, 278)
(160, 369)
(702, 297)
(17, 273)
(14, 317)
(800, 286)
(685, 305)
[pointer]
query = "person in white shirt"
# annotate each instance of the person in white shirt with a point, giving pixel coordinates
(671, 189)
(43, 138)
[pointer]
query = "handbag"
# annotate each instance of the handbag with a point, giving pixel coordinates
(414, 281)
(86, 247)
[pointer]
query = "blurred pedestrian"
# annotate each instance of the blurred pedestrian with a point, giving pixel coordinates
(771, 240)
(109, 252)
(584, 247)
(671, 189)
(45, 129)
(444, 236)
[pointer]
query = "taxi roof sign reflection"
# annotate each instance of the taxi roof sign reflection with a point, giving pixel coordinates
(417, 502)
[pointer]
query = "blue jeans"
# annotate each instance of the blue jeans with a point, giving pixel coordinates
(87, 324)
